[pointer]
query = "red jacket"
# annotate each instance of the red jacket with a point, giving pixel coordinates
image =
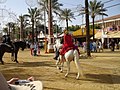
(67, 44)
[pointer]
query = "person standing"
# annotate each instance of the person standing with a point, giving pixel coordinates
(112, 44)
(94, 46)
(100, 46)
(35, 49)
(31, 48)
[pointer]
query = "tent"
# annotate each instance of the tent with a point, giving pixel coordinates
(82, 32)
(110, 34)
(113, 34)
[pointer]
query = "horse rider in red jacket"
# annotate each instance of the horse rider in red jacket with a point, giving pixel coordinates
(67, 44)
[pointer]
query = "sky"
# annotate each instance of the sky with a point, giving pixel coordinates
(18, 7)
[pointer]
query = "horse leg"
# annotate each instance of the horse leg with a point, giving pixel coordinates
(76, 60)
(59, 65)
(1, 58)
(62, 64)
(12, 57)
(68, 68)
(16, 58)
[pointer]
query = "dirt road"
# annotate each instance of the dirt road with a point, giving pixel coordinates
(101, 72)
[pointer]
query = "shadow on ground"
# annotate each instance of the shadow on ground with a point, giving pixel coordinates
(31, 64)
(103, 78)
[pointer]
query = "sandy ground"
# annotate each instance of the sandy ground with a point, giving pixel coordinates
(101, 71)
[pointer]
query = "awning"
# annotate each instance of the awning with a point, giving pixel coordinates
(110, 34)
(98, 35)
(82, 32)
(114, 34)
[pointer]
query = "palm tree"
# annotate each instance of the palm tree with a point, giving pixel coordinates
(55, 6)
(96, 8)
(66, 15)
(5, 30)
(11, 29)
(33, 15)
(23, 24)
(87, 28)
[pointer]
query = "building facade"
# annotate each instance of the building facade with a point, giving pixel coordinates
(112, 22)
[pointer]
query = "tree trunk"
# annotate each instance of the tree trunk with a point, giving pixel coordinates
(21, 29)
(66, 24)
(93, 29)
(32, 31)
(87, 28)
(36, 34)
(9, 28)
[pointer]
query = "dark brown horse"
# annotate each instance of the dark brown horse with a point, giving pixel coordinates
(11, 49)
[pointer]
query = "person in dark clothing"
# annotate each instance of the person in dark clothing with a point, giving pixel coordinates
(56, 53)
(7, 40)
(112, 44)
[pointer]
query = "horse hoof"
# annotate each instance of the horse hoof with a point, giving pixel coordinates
(77, 78)
(66, 75)
(61, 71)
(16, 61)
(59, 68)
(2, 63)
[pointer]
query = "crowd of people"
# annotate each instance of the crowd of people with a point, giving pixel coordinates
(95, 46)
(68, 43)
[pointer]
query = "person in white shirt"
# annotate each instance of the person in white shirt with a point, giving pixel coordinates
(100, 46)
(94, 46)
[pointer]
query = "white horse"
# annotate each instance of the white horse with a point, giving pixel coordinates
(71, 55)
